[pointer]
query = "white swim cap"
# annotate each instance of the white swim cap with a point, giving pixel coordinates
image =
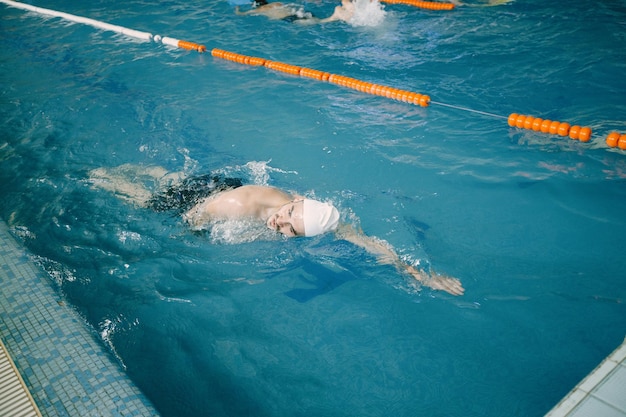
(319, 217)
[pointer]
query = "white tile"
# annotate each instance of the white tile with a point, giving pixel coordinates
(619, 355)
(613, 389)
(592, 380)
(592, 407)
(568, 403)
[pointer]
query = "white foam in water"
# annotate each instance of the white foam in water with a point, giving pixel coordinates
(233, 232)
(124, 235)
(257, 171)
(367, 13)
(107, 329)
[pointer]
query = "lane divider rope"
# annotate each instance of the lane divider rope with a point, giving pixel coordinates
(429, 5)
(613, 140)
(144, 36)
(536, 124)
(549, 126)
(343, 81)
(616, 139)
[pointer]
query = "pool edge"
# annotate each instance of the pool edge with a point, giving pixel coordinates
(67, 371)
(600, 393)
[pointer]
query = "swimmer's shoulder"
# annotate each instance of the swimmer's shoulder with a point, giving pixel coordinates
(246, 195)
(256, 192)
(230, 203)
(244, 201)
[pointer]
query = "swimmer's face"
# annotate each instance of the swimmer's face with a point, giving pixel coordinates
(288, 219)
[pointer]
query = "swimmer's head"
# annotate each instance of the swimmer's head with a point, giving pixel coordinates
(319, 217)
(304, 218)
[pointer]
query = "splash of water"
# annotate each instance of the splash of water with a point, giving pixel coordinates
(367, 13)
(258, 172)
(108, 329)
(233, 232)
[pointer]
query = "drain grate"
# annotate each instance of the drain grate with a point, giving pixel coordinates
(15, 400)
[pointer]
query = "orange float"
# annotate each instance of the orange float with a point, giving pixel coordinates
(191, 46)
(585, 134)
(217, 53)
(256, 62)
(612, 139)
(282, 67)
(428, 5)
(337, 79)
(313, 73)
(554, 127)
(528, 123)
(563, 129)
(549, 126)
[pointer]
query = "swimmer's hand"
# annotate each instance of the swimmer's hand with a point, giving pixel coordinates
(386, 255)
(437, 281)
(446, 283)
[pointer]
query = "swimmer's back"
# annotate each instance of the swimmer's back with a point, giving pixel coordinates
(247, 201)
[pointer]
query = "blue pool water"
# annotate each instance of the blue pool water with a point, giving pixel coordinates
(532, 224)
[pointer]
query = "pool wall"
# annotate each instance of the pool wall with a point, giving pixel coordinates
(601, 393)
(66, 369)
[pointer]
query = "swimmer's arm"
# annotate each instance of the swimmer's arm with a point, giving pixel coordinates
(240, 13)
(329, 19)
(338, 14)
(316, 20)
(275, 11)
(254, 11)
(386, 255)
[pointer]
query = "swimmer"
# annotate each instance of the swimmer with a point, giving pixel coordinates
(295, 13)
(208, 198)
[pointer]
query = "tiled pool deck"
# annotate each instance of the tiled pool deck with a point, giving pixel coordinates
(601, 394)
(67, 371)
(70, 373)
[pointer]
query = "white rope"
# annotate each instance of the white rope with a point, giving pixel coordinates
(470, 110)
(145, 36)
